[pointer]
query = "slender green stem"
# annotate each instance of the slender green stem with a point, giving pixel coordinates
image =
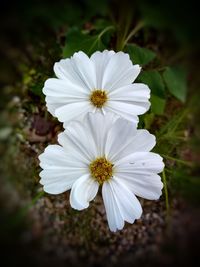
(123, 26)
(124, 39)
(100, 35)
(171, 126)
(188, 163)
(138, 27)
(168, 170)
(174, 137)
(166, 191)
(105, 30)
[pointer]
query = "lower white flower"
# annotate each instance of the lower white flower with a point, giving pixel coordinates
(105, 151)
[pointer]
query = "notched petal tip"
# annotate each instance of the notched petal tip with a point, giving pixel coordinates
(57, 65)
(80, 54)
(41, 180)
(60, 115)
(160, 162)
(162, 166)
(148, 90)
(148, 105)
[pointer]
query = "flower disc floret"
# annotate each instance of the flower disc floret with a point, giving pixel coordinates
(98, 98)
(101, 170)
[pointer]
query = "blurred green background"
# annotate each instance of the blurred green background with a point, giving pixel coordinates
(161, 36)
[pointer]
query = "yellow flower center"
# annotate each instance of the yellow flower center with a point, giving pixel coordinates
(98, 98)
(101, 169)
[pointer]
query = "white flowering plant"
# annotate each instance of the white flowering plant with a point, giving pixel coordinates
(99, 133)
(105, 99)
(99, 105)
(103, 94)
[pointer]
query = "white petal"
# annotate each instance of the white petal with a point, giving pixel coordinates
(144, 161)
(119, 136)
(148, 186)
(89, 136)
(119, 72)
(75, 153)
(63, 88)
(85, 69)
(127, 110)
(98, 125)
(72, 111)
(80, 118)
(115, 220)
(120, 204)
(139, 172)
(64, 69)
(123, 139)
(134, 109)
(53, 155)
(79, 141)
(122, 113)
(58, 186)
(52, 107)
(82, 138)
(51, 175)
(136, 92)
(83, 191)
(59, 172)
(100, 60)
(142, 141)
(78, 70)
(62, 101)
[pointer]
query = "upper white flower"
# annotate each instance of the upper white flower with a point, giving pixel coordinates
(103, 82)
(105, 151)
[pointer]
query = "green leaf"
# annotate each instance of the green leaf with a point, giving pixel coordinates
(175, 79)
(78, 41)
(155, 82)
(157, 104)
(140, 55)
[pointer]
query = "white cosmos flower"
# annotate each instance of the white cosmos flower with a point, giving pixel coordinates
(105, 151)
(103, 82)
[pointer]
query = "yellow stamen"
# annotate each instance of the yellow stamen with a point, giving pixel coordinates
(101, 169)
(98, 98)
